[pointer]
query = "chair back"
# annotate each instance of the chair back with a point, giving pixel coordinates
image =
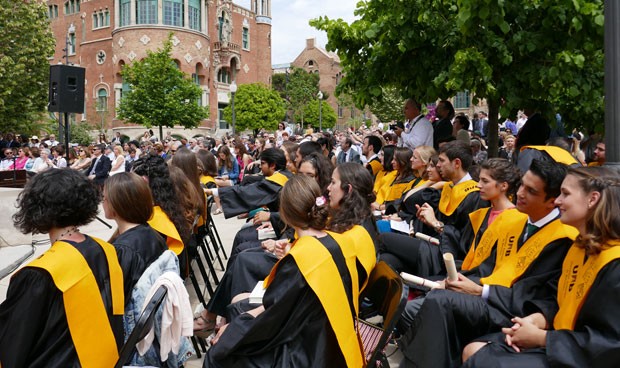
(143, 326)
(387, 295)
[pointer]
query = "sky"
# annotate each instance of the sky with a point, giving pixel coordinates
(289, 24)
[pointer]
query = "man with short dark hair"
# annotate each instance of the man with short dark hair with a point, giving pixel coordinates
(442, 128)
(598, 155)
(347, 153)
(370, 149)
(100, 168)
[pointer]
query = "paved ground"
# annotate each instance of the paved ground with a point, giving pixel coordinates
(11, 253)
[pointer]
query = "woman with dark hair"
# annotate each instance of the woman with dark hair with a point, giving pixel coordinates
(317, 167)
(208, 168)
(127, 200)
(387, 174)
(186, 160)
(319, 329)
(391, 192)
(290, 150)
(578, 325)
(242, 157)
(227, 168)
(167, 210)
(64, 309)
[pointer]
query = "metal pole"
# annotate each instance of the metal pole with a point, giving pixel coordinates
(320, 115)
(67, 123)
(234, 118)
(612, 85)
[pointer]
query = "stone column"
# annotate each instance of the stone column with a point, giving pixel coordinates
(117, 13)
(612, 84)
(185, 14)
(132, 15)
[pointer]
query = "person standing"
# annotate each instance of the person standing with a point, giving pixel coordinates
(442, 128)
(417, 131)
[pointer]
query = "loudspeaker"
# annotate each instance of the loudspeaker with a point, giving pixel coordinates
(66, 90)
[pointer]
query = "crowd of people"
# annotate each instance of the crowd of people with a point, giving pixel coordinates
(534, 234)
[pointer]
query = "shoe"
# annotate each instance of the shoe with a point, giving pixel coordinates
(217, 211)
(206, 330)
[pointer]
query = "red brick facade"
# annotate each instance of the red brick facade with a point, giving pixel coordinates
(108, 37)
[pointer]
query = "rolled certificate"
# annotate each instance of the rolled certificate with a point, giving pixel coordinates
(427, 238)
(416, 280)
(448, 259)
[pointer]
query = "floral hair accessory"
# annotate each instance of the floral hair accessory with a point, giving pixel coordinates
(320, 201)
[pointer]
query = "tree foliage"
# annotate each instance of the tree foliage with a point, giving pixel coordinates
(161, 94)
(26, 42)
(508, 52)
(311, 114)
(256, 107)
(390, 106)
(297, 88)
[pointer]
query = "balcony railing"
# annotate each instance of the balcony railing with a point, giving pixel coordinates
(226, 46)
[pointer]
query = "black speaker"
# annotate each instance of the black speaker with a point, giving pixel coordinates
(66, 93)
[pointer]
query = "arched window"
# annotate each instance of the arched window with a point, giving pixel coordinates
(223, 76)
(125, 12)
(102, 100)
(194, 14)
(173, 13)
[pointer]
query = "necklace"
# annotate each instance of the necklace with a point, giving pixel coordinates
(67, 233)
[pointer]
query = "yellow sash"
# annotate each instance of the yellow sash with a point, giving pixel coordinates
(509, 268)
(320, 272)
(205, 179)
(557, 154)
(278, 178)
(376, 166)
(505, 224)
(395, 191)
(162, 224)
(452, 196)
(577, 279)
(86, 314)
(383, 180)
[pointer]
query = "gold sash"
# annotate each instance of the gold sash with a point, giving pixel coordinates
(382, 181)
(320, 272)
(557, 154)
(495, 233)
(205, 179)
(161, 223)
(376, 166)
(452, 196)
(278, 178)
(87, 318)
(510, 267)
(395, 191)
(577, 279)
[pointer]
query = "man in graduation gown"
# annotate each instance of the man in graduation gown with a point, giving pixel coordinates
(370, 149)
(449, 319)
(237, 199)
(459, 196)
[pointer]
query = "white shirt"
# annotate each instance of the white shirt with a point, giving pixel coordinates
(420, 133)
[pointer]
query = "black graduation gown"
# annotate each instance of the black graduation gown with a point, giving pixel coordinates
(33, 324)
(448, 320)
(136, 249)
(238, 199)
(293, 331)
(594, 342)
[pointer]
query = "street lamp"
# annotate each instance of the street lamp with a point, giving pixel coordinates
(320, 96)
(233, 90)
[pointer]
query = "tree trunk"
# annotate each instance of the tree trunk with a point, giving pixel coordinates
(493, 135)
(161, 133)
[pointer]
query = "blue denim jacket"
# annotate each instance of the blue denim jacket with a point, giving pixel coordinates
(168, 261)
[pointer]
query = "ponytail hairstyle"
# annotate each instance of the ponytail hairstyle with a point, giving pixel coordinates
(354, 207)
(503, 171)
(302, 204)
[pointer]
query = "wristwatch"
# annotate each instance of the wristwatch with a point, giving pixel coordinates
(438, 226)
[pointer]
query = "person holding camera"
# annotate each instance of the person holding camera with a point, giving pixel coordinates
(417, 130)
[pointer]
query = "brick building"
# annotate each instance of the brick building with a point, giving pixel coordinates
(315, 59)
(215, 42)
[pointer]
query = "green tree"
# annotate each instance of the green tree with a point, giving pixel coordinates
(81, 133)
(161, 94)
(311, 112)
(389, 106)
(256, 107)
(507, 52)
(301, 88)
(26, 42)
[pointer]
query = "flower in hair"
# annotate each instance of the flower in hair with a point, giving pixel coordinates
(320, 201)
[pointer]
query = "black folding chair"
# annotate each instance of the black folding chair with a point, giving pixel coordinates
(143, 326)
(385, 295)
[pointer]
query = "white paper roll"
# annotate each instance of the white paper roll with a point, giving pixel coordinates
(416, 280)
(448, 259)
(427, 238)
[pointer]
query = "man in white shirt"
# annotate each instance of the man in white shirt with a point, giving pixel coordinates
(417, 131)
(52, 141)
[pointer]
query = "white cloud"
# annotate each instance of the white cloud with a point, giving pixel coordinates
(290, 27)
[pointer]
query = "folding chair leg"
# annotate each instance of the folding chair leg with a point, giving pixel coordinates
(205, 277)
(215, 250)
(195, 344)
(201, 297)
(219, 240)
(204, 248)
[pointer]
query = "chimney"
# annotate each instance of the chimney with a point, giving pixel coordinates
(310, 43)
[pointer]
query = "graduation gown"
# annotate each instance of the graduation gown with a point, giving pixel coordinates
(34, 331)
(594, 340)
(239, 199)
(448, 320)
(293, 331)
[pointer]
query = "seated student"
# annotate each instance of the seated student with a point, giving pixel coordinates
(227, 168)
(307, 315)
(405, 179)
(127, 200)
(530, 254)
(580, 327)
(237, 199)
(208, 168)
(387, 173)
(459, 197)
(52, 317)
(370, 149)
